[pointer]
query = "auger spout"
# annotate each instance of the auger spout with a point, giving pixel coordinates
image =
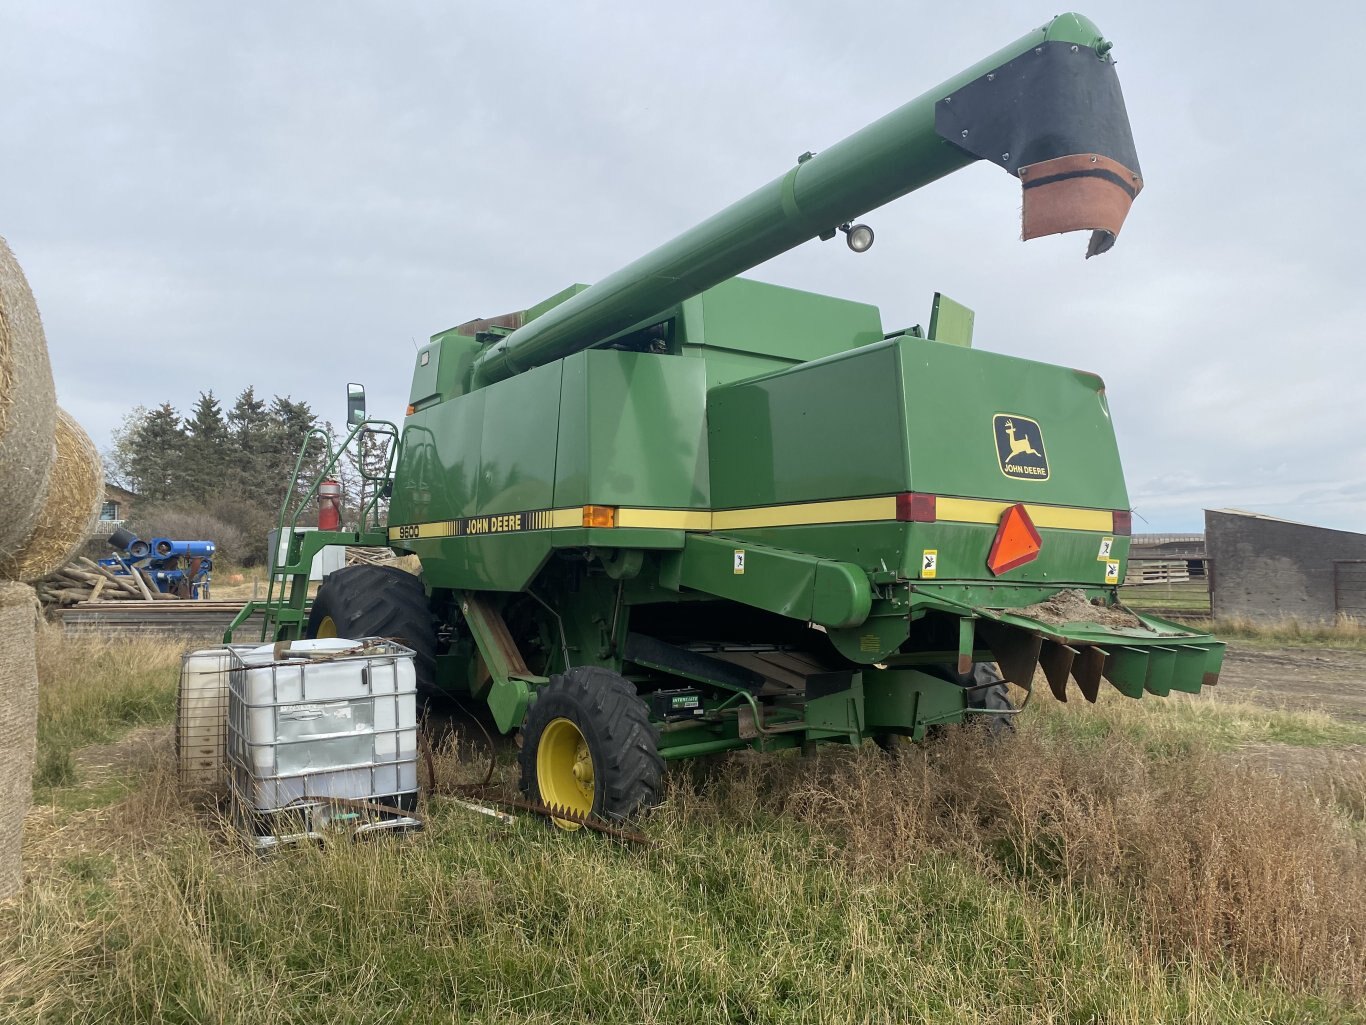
(1047, 108)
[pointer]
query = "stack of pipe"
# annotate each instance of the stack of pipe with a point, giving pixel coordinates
(86, 580)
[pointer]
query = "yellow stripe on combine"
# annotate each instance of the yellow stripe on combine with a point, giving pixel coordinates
(666, 519)
(853, 510)
(442, 528)
(977, 510)
(567, 517)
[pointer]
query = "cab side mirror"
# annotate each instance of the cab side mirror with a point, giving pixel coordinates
(355, 404)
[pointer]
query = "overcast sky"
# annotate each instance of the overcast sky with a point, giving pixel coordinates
(286, 195)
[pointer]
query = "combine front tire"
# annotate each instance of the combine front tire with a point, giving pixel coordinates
(588, 747)
(378, 601)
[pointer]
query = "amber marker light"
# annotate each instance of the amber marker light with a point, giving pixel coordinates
(599, 515)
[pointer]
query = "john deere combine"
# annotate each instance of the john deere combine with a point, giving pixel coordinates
(680, 512)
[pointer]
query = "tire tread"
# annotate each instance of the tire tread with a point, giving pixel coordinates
(380, 601)
(629, 758)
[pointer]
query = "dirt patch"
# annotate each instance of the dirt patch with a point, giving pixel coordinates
(133, 755)
(1306, 763)
(1297, 679)
(1072, 606)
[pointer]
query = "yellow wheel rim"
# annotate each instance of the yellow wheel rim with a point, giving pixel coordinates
(326, 627)
(564, 770)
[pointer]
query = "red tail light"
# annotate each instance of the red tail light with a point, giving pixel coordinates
(913, 507)
(1123, 522)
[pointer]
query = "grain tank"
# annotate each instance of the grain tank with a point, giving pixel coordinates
(680, 511)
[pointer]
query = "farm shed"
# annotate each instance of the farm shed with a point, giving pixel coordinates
(1269, 568)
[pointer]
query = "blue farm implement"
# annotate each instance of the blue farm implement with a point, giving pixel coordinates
(180, 568)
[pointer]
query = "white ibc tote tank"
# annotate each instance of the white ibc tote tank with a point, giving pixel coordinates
(320, 719)
(201, 722)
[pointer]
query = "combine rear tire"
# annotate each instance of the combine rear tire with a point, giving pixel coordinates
(990, 693)
(588, 746)
(378, 601)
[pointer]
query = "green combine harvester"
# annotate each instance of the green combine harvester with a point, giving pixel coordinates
(680, 512)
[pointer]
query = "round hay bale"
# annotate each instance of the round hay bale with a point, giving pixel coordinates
(18, 725)
(69, 509)
(28, 406)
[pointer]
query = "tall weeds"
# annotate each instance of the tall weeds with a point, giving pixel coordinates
(91, 689)
(1109, 874)
(1199, 855)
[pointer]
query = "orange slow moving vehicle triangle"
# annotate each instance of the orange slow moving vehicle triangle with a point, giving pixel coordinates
(1017, 541)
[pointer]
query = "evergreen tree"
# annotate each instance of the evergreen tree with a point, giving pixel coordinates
(290, 424)
(206, 451)
(234, 467)
(249, 472)
(156, 454)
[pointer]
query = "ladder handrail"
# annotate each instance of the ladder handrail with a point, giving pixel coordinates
(368, 511)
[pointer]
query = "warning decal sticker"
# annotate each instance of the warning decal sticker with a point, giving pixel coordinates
(929, 564)
(1107, 545)
(1019, 447)
(1112, 571)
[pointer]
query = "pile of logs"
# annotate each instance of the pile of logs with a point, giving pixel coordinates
(86, 580)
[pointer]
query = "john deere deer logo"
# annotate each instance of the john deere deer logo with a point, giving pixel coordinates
(1019, 447)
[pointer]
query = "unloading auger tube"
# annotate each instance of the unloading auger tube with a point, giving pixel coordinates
(1047, 108)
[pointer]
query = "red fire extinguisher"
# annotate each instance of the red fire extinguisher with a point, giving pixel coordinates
(329, 505)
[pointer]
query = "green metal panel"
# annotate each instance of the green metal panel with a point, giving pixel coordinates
(1067, 556)
(905, 701)
(895, 549)
(518, 442)
(837, 715)
(950, 321)
(724, 366)
(918, 415)
(546, 305)
(445, 373)
(1161, 667)
(438, 468)
(516, 472)
(425, 373)
(632, 432)
(876, 637)
(1189, 672)
(870, 546)
(952, 396)
(744, 328)
(827, 429)
(840, 595)
(1127, 667)
(789, 583)
(491, 451)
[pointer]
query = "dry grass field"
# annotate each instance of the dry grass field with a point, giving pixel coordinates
(1179, 861)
